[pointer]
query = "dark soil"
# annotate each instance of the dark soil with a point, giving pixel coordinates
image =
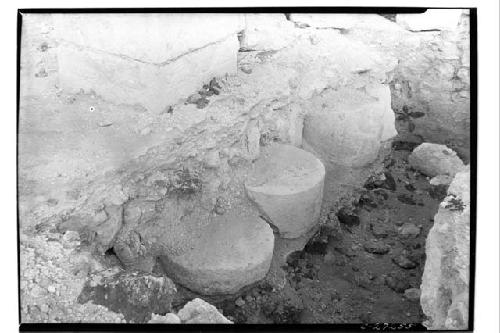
(358, 275)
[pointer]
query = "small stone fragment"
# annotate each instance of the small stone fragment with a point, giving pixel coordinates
(202, 102)
(376, 247)
(413, 294)
(407, 199)
(212, 159)
(44, 308)
(441, 180)
(409, 230)
(193, 99)
(366, 200)
(349, 252)
(379, 230)
(403, 262)
(239, 302)
(245, 68)
(385, 181)
(397, 281)
(329, 258)
(410, 187)
(200, 312)
(433, 160)
(169, 318)
(347, 216)
(363, 280)
(71, 236)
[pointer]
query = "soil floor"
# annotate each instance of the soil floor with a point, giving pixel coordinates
(360, 274)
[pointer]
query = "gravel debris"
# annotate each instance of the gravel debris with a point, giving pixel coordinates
(51, 280)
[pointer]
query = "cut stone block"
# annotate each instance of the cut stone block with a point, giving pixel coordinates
(433, 160)
(234, 250)
(128, 58)
(155, 86)
(287, 186)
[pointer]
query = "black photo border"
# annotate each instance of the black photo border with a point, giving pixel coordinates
(108, 327)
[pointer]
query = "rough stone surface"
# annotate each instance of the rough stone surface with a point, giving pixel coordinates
(85, 153)
(441, 180)
(287, 186)
(153, 86)
(349, 126)
(434, 159)
(412, 294)
(409, 230)
(376, 247)
(54, 262)
(169, 318)
(431, 84)
(445, 281)
(234, 250)
(267, 32)
(200, 312)
(134, 294)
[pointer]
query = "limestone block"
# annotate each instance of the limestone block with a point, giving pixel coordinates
(347, 126)
(234, 250)
(433, 160)
(287, 186)
(200, 312)
(445, 281)
(441, 19)
(129, 81)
